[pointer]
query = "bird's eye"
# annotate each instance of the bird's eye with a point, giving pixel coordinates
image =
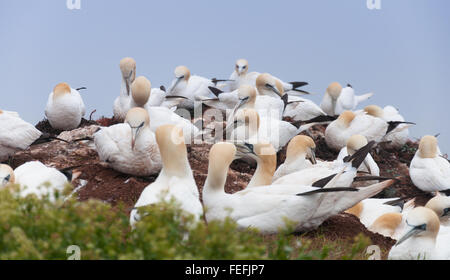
(446, 212)
(244, 67)
(422, 227)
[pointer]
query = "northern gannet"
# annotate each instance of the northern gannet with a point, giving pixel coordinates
(240, 76)
(266, 159)
(429, 170)
(420, 240)
(130, 147)
(140, 92)
(269, 208)
(35, 178)
(400, 136)
(393, 224)
(15, 135)
(350, 123)
(321, 172)
(175, 180)
(194, 88)
(299, 149)
(252, 128)
(368, 210)
(65, 107)
(354, 143)
(302, 109)
(338, 99)
(122, 103)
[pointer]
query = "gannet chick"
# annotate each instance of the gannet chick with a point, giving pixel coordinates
(429, 171)
(299, 149)
(338, 99)
(35, 178)
(130, 147)
(419, 240)
(65, 107)
(400, 136)
(194, 88)
(122, 103)
(15, 135)
(176, 179)
(240, 76)
(354, 143)
(140, 92)
(349, 123)
(266, 162)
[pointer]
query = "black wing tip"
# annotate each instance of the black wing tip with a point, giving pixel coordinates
(358, 158)
(296, 85)
(324, 181)
(215, 90)
(328, 190)
(163, 88)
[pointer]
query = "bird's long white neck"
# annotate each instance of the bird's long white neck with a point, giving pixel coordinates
(263, 175)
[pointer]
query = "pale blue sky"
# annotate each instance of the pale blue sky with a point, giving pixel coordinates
(400, 52)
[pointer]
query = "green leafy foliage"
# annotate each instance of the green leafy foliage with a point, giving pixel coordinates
(32, 228)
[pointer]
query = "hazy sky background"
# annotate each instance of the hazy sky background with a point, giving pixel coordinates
(400, 52)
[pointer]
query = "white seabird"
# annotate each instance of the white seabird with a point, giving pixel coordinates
(194, 88)
(420, 240)
(130, 147)
(241, 76)
(429, 170)
(65, 107)
(15, 135)
(401, 135)
(338, 99)
(122, 103)
(175, 180)
(35, 178)
(267, 208)
(299, 149)
(350, 123)
(140, 92)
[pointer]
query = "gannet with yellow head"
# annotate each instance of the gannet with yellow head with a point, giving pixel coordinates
(130, 147)
(300, 154)
(272, 208)
(241, 76)
(175, 180)
(429, 170)
(65, 107)
(122, 103)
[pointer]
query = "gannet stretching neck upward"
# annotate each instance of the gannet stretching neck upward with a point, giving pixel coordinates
(338, 99)
(175, 180)
(122, 103)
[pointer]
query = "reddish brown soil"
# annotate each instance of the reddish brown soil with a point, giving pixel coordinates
(110, 186)
(44, 126)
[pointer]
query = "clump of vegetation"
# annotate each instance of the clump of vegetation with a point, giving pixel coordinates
(32, 228)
